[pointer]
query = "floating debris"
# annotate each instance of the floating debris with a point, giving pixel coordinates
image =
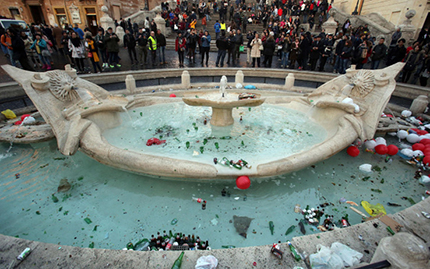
(241, 224)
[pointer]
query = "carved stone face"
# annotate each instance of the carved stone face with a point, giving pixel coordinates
(364, 82)
(62, 86)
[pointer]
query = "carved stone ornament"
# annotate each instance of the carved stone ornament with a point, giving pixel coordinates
(62, 86)
(364, 82)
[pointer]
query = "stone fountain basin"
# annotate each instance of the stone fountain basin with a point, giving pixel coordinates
(338, 129)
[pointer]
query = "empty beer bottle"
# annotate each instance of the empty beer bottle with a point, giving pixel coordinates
(216, 145)
(187, 144)
(165, 235)
(294, 252)
(170, 234)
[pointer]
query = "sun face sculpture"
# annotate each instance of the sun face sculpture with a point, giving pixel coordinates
(62, 86)
(364, 82)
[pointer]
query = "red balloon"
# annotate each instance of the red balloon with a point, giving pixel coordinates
(18, 122)
(353, 151)
(172, 95)
(425, 141)
(381, 149)
(24, 116)
(392, 150)
(426, 160)
(418, 146)
(426, 152)
(243, 182)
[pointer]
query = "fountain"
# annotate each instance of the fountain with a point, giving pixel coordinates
(83, 114)
(222, 105)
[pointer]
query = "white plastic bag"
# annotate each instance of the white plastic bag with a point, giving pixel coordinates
(207, 262)
(349, 256)
(325, 259)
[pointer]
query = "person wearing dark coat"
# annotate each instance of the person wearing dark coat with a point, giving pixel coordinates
(268, 51)
(316, 50)
(397, 53)
(222, 45)
(379, 52)
(18, 47)
(231, 47)
(327, 50)
(413, 60)
(130, 45)
(305, 47)
(346, 56)
(112, 47)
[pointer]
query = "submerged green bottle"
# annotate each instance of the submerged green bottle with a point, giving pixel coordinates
(216, 145)
(187, 144)
(294, 252)
(178, 262)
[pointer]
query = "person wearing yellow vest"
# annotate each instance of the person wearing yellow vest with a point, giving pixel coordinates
(152, 42)
(223, 27)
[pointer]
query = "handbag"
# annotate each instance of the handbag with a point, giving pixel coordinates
(46, 53)
(261, 47)
(175, 27)
(426, 74)
(241, 48)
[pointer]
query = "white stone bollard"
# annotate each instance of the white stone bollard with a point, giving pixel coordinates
(130, 83)
(403, 250)
(70, 71)
(289, 82)
(419, 104)
(239, 77)
(185, 79)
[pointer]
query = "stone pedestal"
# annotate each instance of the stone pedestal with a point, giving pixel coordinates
(222, 116)
(161, 23)
(70, 71)
(130, 83)
(289, 82)
(330, 26)
(419, 104)
(239, 77)
(105, 20)
(403, 250)
(120, 34)
(185, 79)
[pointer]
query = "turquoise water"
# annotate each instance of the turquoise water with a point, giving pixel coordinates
(271, 131)
(126, 207)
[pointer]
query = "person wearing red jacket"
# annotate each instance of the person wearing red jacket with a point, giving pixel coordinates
(180, 48)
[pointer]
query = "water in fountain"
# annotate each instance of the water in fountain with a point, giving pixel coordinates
(126, 207)
(281, 133)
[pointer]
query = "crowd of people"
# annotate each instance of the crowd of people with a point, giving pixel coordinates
(283, 35)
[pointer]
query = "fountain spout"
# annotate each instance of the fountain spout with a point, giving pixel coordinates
(223, 84)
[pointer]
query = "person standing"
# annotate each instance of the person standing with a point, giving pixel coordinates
(269, 50)
(256, 45)
(42, 50)
(161, 46)
(397, 53)
(317, 47)
(346, 56)
(294, 53)
(6, 41)
(205, 47)
(378, 53)
(65, 43)
(78, 51)
(231, 47)
(180, 48)
(142, 46)
(217, 27)
(79, 31)
(395, 37)
(18, 47)
(112, 47)
(413, 60)
(222, 45)
(326, 53)
(130, 45)
(93, 53)
(191, 44)
(152, 44)
(239, 42)
(250, 36)
(101, 47)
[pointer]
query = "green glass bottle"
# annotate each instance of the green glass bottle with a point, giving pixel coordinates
(178, 262)
(205, 141)
(202, 149)
(216, 145)
(294, 252)
(187, 144)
